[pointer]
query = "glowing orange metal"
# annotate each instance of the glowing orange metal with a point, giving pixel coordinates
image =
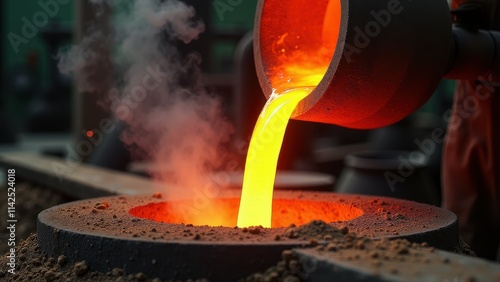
(222, 212)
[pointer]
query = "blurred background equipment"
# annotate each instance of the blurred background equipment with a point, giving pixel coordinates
(36, 98)
(41, 111)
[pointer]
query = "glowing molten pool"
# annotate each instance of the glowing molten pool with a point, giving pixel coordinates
(222, 212)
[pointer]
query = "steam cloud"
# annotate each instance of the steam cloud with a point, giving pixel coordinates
(159, 94)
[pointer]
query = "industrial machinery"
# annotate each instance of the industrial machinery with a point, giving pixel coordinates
(387, 57)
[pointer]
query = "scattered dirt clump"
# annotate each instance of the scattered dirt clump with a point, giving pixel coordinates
(394, 257)
(101, 205)
(404, 259)
(288, 269)
(316, 229)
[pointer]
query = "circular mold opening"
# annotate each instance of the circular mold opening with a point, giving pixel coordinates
(112, 235)
(224, 212)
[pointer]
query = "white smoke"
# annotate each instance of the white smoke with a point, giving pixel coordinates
(159, 93)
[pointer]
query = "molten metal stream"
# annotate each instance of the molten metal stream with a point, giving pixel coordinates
(265, 145)
(260, 168)
(299, 71)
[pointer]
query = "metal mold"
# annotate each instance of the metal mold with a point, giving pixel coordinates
(104, 232)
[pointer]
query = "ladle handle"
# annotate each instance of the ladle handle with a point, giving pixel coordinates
(476, 54)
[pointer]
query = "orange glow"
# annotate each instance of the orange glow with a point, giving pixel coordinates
(298, 70)
(331, 27)
(222, 212)
(90, 133)
(297, 39)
